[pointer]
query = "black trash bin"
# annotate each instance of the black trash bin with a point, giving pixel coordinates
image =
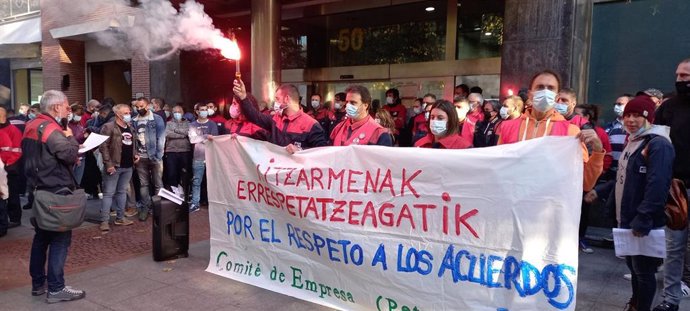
(170, 229)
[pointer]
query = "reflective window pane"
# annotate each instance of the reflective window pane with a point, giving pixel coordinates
(398, 34)
(480, 28)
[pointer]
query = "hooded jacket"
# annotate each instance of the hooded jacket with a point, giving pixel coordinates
(553, 124)
(645, 170)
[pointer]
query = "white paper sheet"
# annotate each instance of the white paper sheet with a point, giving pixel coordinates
(164, 193)
(94, 140)
(652, 245)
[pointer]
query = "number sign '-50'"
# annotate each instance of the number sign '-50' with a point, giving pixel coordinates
(350, 39)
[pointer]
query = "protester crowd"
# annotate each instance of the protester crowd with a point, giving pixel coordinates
(628, 164)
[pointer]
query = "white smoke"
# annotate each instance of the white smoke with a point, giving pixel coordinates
(157, 31)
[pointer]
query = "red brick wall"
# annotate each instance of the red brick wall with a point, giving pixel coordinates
(141, 77)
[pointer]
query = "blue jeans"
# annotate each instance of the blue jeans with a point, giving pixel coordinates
(676, 246)
(59, 243)
(115, 190)
(199, 168)
(79, 169)
(642, 269)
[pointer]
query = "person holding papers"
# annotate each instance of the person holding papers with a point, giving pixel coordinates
(645, 170)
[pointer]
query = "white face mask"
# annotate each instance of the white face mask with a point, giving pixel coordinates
(277, 108)
(462, 112)
(70, 116)
(505, 113)
(438, 127)
(76, 118)
(337, 105)
(315, 104)
(544, 100)
(234, 111)
(618, 110)
(417, 110)
(211, 112)
(389, 100)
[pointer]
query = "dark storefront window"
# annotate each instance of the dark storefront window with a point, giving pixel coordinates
(389, 35)
(480, 28)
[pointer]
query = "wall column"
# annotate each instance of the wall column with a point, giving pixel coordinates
(542, 35)
(265, 52)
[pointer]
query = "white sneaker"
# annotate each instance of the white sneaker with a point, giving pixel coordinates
(685, 289)
(627, 276)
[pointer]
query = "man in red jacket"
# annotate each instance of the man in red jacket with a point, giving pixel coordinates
(397, 110)
(10, 152)
(359, 128)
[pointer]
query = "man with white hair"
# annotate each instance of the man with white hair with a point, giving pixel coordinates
(476, 113)
(49, 159)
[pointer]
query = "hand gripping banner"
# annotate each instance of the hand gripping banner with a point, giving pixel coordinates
(379, 228)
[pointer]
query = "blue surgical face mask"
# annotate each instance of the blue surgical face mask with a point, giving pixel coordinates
(203, 114)
(438, 127)
(127, 118)
(351, 110)
(32, 116)
(543, 100)
(561, 108)
(177, 116)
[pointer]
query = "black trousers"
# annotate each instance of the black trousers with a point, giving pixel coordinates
(177, 168)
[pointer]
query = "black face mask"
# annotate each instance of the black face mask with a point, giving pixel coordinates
(142, 112)
(683, 88)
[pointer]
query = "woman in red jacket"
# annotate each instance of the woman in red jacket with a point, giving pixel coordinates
(444, 132)
(238, 124)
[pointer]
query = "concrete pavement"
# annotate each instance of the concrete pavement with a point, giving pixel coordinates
(136, 282)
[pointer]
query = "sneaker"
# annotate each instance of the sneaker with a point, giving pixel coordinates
(627, 276)
(684, 289)
(113, 213)
(666, 306)
(38, 291)
(123, 222)
(131, 211)
(193, 208)
(584, 247)
(66, 294)
(104, 226)
(143, 214)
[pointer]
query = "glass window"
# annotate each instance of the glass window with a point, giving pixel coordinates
(36, 85)
(480, 28)
(34, 5)
(397, 34)
(5, 10)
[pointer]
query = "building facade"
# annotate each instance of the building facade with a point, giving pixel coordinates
(417, 46)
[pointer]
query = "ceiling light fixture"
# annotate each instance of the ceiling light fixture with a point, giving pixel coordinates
(430, 9)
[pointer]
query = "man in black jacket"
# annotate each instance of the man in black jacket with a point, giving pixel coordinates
(675, 113)
(49, 160)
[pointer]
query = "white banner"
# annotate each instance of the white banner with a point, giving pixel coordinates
(380, 228)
